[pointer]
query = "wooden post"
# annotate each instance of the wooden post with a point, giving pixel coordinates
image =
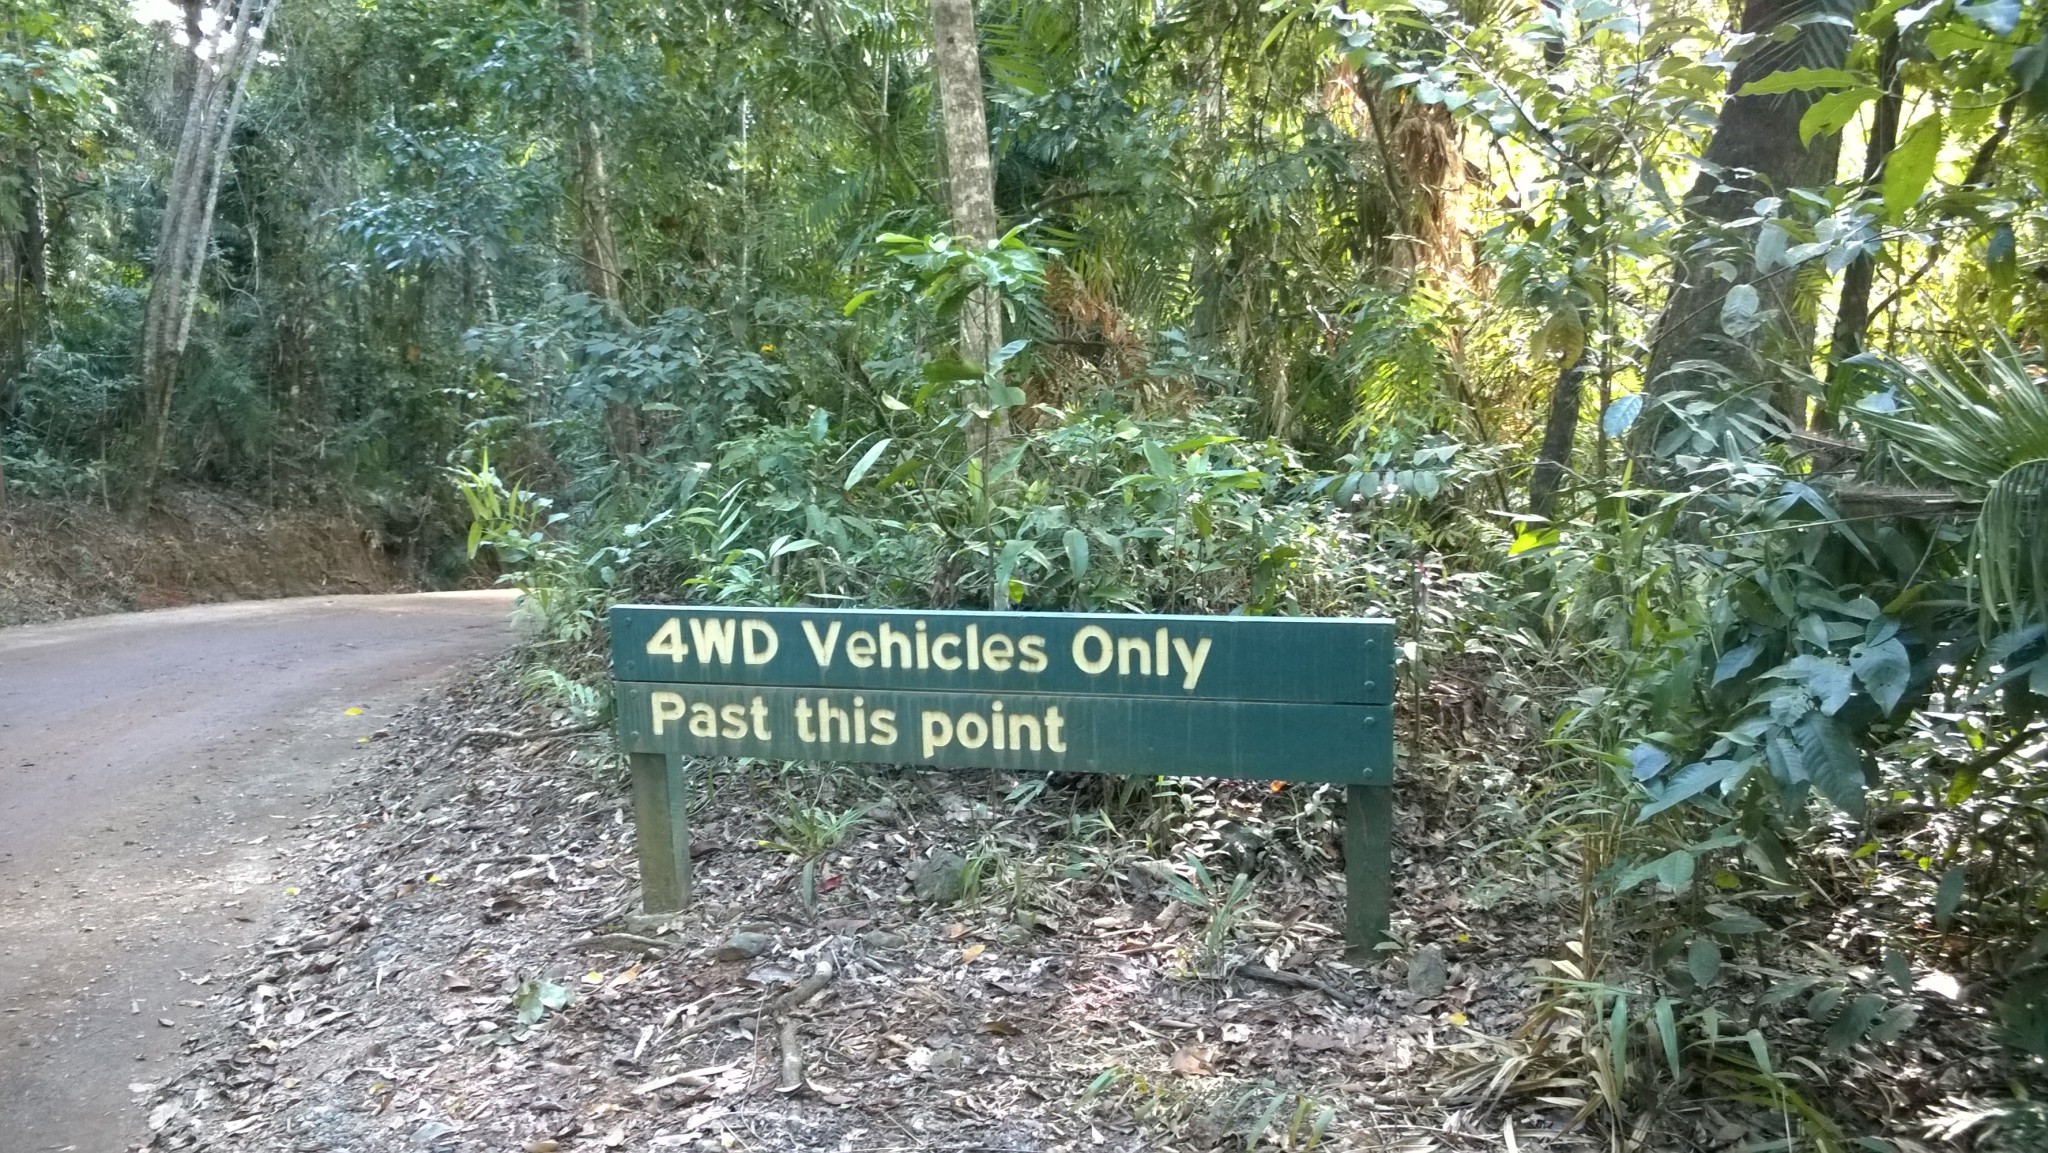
(661, 814)
(1368, 869)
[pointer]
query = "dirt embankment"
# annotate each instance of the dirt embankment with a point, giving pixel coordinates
(68, 559)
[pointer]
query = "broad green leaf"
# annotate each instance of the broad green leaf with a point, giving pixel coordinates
(1948, 895)
(1771, 242)
(1735, 660)
(1647, 760)
(1703, 960)
(1833, 762)
(1157, 460)
(1621, 412)
(1998, 17)
(1899, 969)
(1077, 552)
(867, 461)
(1692, 780)
(1739, 311)
(1884, 670)
(1800, 80)
(1826, 678)
(1892, 1024)
(1911, 165)
(859, 298)
(1850, 1026)
(1833, 112)
(1667, 1030)
(1673, 871)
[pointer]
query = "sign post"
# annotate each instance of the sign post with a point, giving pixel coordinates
(1265, 698)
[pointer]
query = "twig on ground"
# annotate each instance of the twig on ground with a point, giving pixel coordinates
(803, 993)
(520, 736)
(1298, 981)
(792, 1075)
(623, 943)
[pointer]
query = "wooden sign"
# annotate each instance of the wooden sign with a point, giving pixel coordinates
(1267, 698)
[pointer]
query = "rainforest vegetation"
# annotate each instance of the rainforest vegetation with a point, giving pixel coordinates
(1670, 370)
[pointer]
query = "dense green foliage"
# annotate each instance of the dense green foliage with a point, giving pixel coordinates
(1308, 309)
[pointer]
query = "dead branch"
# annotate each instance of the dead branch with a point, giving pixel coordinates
(792, 1077)
(1298, 981)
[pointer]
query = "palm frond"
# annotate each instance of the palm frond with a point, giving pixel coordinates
(1967, 425)
(2011, 546)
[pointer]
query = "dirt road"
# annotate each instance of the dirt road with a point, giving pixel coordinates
(149, 764)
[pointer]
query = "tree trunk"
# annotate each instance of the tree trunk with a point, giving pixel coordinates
(971, 197)
(1755, 152)
(597, 243)
(1852, 315)
(214, 105)
(970, 179)
(1560, 430)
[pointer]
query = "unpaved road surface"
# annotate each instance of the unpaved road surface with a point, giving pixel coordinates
(147, 763)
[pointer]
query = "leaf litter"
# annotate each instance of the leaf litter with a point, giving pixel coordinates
(464, 967)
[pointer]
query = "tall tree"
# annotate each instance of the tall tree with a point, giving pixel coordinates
(212, 107)
(970, 179)
(1755, 152)
(597, 241)
(971, 195)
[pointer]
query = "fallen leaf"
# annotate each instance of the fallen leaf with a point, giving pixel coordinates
(955, 931)
(968, 955)
(1459, 1019)
(352, 712)
(1001, 1028)
(1190, 1062)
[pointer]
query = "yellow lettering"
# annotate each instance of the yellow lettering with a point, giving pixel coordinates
(1053, 721)
(758, 709)
(822, 649)
(667, 641)
(1032, 650)
(860, 650)
(1021, 723)
(714, 637)
(995, 722)
(979, 731)
(758, 642)
(803, 721)
(1126, 647)
(940, 644)
(892, 642)
(882, 727)
(996, 652)
(703, 720)
(1191, 661)
(973, 647)
(924, 648)
(666, 707)
(733, 719)
(938, 729)
(827, 714)
(1159, 651)
(1096, 665)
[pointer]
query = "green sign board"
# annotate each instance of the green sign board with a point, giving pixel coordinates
(1254, 697)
